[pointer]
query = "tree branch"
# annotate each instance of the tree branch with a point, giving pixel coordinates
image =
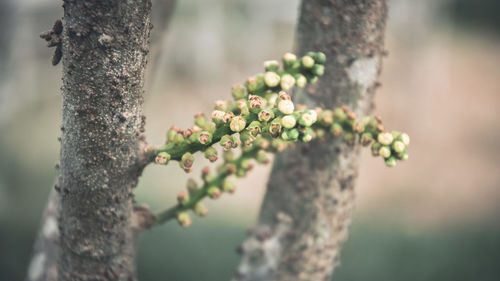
(313, 185)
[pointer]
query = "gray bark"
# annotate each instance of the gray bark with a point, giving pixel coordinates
(310, 197)
(104, 51)
(44, 264)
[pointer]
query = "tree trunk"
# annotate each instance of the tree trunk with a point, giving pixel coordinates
(310, 196)
(104, 45)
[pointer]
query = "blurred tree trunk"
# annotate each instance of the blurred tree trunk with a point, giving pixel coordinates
(310, 197)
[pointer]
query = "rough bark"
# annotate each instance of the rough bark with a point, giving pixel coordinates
(104, 46)
(44, 264)
(310, 197)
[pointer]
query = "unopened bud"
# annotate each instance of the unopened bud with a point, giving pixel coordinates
(271, 65)
(336, 129)
(238, 92)
(288, 121)
(162, 158)
(228, 186)
(349, 138)
(398, 146)
(275, 127)
(405, 139)
(318, 69)
(385, 138)
(221, 105)
(237, 124)
(308, 135)
(261, 157)
(186, 162)
(300, 80)
(308, 117)
(289, 60)
(286, 106)
(307, 62)
(218, 116)
(191, 186)
(200, 210)
(272, 79)
(390, 162)
(339, 115)
(256, 103)
(375, 148)
(211, 154)
(366, 139)
(184, 219)
(183, 198)
(319, 57)
(214, 192)
(287, 82)
(384, 151)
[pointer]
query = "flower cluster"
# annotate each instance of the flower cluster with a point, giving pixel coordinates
(263, 119)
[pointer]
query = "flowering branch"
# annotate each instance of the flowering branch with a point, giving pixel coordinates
(263, 119)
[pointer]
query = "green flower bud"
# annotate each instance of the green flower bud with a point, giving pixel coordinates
(240, 173)
(308, 117)
(271, 65)
(255, 83)
(228, 156)
(405, 139)
(358, 127)
(246, 138)
(288, 121)
(279, 144)
(271, 99)
(403, 155)
(275, 127)
(205, 137)
(191, 186)
(162, 158)
(213, 191)
(186, 162)
(228, 186)
(211, 154)
(184, 219)
(307, 135)
(390, 162)
(366, 139)
(246, 164)
(326, 117)
(261, 157)
(320, 133)
(375, 148)
(210, 127)
(265, 115)
(289, 60)
(398, 146)
(272, 79)
(200, 210)
(339, 115)
(183, 198)
(349, 138)
(300, 80)
(318, 69)
(171, 135)
(384, 151)
(336, 129)
(307, 62)
(290, 134)
(319, 57)
(238, 92)
(237, 124)
(385, 138)
(179, 139)
(287, 82)
(286, 106)
(255, 128)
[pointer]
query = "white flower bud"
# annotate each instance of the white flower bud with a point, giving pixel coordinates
(286, 106)
(301, 81)
(405, 139)
(287, 82)
(272, 79)
(237, 124)
(398, 146)
(288, 121)
(384, 151)
(289, 57)
(385, 138)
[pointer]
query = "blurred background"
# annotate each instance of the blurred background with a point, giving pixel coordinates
(434, 217)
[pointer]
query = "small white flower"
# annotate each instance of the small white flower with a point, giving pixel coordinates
(272, 79)
(385, 138)
(287, 82)
(288, 121)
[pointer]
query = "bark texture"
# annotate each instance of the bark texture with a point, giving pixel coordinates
(311, 189)
(104, 51)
